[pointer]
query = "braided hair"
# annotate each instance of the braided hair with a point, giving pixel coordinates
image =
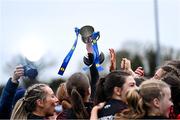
(27, 104)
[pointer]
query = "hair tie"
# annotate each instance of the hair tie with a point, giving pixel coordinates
(23, 99)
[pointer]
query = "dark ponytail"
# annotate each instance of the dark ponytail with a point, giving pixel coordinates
(78, 105)
(78, 90)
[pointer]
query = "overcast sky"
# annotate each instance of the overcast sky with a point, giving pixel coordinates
(37, 27)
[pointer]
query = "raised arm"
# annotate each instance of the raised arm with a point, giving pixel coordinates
(112, 60)
(93, 70)
(9, 92)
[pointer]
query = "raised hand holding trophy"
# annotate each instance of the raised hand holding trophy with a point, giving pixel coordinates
(88, 37)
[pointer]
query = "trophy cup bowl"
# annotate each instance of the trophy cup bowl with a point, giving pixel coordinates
(86, 32)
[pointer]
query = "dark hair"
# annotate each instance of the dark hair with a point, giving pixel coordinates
(105, 86)
(175, 63)
(174, 83)
(139, 80)
(171, 69)
(77, 88)
(172, 66)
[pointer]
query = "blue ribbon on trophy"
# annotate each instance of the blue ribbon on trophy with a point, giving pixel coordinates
(69, 55)
(89, 36)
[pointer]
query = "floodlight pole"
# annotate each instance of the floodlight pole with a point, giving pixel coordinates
(158, 52)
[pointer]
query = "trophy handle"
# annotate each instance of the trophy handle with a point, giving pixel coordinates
(98, 37)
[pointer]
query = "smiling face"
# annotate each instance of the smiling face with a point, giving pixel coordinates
(49, 102)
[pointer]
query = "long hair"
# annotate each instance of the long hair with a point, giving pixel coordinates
(77, 87)
(139, 100)
(19, 111)
(27, 104)
(105, 86)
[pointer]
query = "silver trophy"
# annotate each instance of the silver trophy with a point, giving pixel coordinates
(86, 33)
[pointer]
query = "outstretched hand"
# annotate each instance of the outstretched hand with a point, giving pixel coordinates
(139, 71)
(126, 64)
(112, 59)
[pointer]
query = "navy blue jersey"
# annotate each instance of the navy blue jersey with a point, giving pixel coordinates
(111, 108)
